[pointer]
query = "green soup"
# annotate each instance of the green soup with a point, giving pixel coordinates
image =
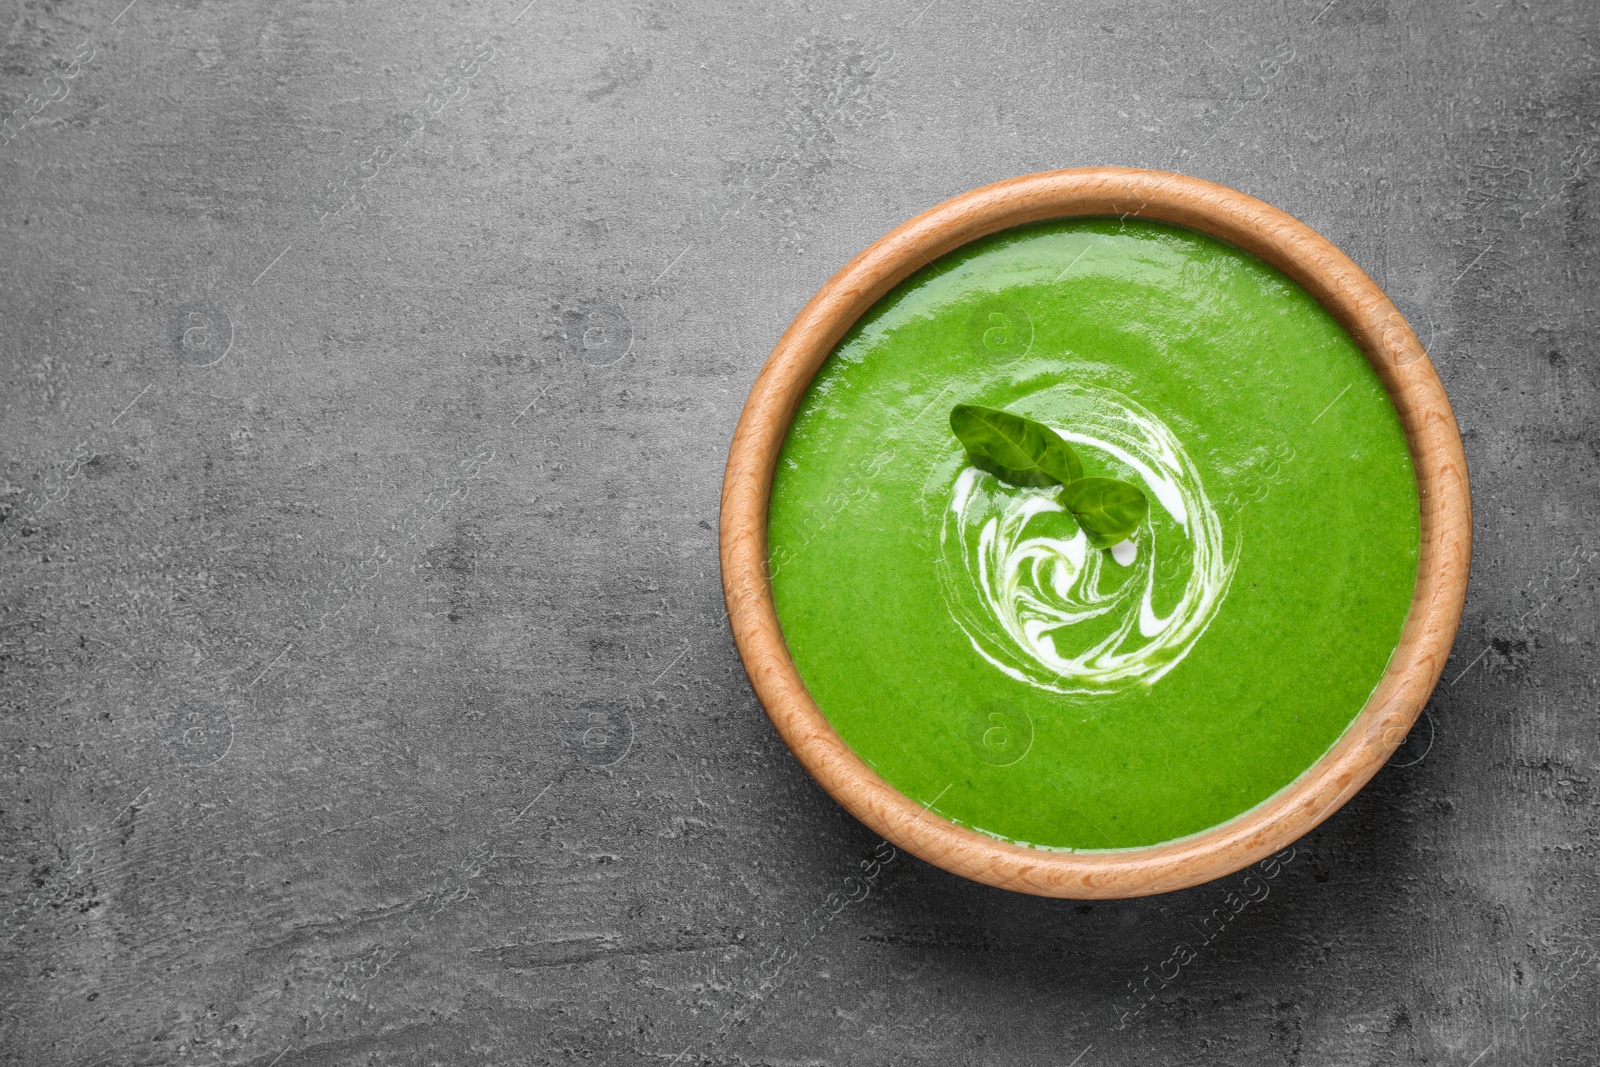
(970, 646)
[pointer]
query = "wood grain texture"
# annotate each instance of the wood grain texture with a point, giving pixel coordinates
(1330, 276)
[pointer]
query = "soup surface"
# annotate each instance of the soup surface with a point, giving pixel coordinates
(962, 636)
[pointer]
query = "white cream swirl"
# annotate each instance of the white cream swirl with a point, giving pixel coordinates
(1038, 603)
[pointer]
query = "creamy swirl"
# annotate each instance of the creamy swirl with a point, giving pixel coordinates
(1038, 602)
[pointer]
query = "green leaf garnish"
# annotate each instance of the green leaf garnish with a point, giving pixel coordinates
(1023, 452)
(1107, 509)
(1013, 448)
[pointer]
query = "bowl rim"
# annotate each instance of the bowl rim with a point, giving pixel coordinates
(1359, 305)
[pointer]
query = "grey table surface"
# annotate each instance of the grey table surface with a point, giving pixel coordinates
(368, 371)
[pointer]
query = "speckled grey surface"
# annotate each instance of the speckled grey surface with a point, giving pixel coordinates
(367, 373)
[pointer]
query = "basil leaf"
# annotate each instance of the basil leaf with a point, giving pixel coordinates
(1107, 509)
(1014, 449)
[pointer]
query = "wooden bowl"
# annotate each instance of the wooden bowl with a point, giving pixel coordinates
(1366, 314)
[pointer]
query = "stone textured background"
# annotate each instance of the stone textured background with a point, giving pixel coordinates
(367, 372)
